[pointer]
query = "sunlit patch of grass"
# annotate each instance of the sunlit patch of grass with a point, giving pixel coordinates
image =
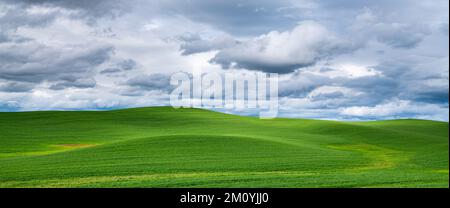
(378, 157)
(53, 149)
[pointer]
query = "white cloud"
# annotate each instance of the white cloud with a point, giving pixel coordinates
(398, 109)
(329, 91)
(284, 52)
(347, 70)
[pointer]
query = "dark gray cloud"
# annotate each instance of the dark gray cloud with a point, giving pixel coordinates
(122, 66)
(110, 70)
(7, 86)
(432, 90)
(375, 88)
(128, 64)
(398, 81)
(417, 81)
(345, 91)
(34, 63)
(151, 82)
(194, 43)
(74, 82)
(427, 94)
(300, 84)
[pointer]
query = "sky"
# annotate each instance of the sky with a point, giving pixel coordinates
(336, 59)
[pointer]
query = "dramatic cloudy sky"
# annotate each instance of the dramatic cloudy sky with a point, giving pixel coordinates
(337, 59)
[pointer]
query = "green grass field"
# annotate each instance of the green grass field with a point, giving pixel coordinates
(166, 147)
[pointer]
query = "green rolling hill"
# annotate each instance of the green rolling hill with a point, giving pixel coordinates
(166, 147)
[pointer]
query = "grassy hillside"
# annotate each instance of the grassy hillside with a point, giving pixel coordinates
(166, 147)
